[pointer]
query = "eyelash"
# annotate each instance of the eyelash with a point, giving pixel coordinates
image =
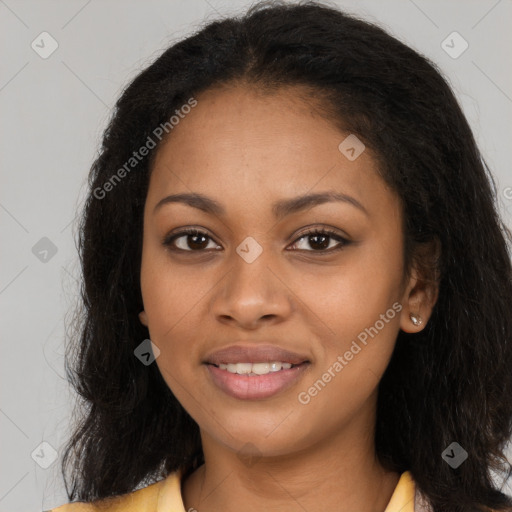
(343, 242)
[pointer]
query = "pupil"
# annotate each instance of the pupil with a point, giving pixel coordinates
(323, 245)
(194, 243)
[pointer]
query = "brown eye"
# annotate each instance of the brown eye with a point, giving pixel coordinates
(188, 240)
(320, 240)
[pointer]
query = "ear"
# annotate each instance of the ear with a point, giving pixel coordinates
(422, 288)
(143, 317)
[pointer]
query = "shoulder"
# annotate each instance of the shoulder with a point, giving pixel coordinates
(146, 499)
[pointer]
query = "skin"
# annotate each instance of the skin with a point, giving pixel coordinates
(247, 150)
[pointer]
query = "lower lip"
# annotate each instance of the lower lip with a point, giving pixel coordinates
(255, 387)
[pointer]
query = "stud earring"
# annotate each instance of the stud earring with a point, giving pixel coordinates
(415, 319)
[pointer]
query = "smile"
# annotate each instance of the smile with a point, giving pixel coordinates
(255, 381)
(255, 368)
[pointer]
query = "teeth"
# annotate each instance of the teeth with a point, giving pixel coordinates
(241, 368)
(261, 368)
(255, 368)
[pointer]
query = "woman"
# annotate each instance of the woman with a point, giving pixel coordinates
(297, 286)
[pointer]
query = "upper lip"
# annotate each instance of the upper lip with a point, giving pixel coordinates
(255, 354)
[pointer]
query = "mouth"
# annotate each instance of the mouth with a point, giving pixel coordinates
(255, 381)
(256, 371)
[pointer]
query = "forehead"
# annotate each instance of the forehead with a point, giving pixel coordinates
(244, 122)
(240, 144)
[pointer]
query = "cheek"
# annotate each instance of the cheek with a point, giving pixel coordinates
(362, 311)
(167, 302)
(355, 298)
(169, 292)
(347, 377)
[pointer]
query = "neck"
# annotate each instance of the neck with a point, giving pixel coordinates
(340, 472)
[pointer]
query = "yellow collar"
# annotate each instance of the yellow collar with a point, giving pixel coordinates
(170, 499)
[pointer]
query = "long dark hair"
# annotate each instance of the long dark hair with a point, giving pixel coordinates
(452, 382)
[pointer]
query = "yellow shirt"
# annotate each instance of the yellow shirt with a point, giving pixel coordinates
(165, 496)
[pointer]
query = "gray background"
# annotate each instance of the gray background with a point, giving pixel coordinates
(53, 113)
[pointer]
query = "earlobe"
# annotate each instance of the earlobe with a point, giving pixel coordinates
(419, 300)
(143, 317)
(422, 291)
(415, 313)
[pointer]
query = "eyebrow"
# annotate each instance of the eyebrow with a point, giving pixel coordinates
(280, 209)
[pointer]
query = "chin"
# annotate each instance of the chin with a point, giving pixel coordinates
(259, 440)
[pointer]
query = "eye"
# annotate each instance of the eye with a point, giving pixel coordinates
(195, 240)
(320, 239)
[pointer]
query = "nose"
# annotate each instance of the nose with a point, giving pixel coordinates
(252, 294)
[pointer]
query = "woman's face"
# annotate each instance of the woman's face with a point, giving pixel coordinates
(254, 282)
